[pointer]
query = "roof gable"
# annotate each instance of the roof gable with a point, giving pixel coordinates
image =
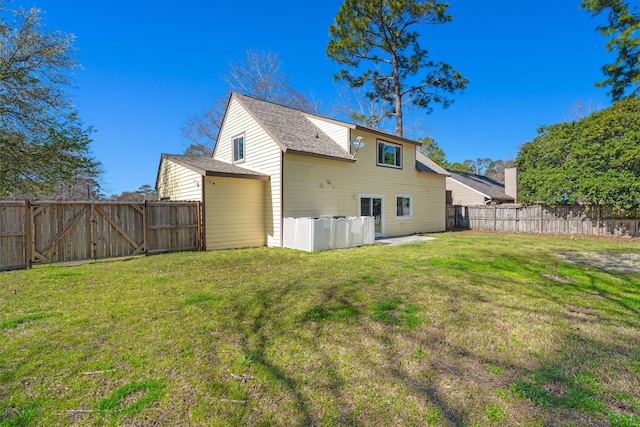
(291, 130)
(206, 166)
(426, 165)
(482, 184)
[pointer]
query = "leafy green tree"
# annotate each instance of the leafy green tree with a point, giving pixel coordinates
(623, 27)
(464, 167)
(381, 32)
(43, 144)
(432, 150)
(595, 160)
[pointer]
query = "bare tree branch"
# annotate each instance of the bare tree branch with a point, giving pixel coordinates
(258, 75)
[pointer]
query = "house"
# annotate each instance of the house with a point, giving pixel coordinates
(466, 189)
(273, 162)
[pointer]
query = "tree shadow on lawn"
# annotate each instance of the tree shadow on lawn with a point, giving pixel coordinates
(581, 345)
(325, 351)
(454, 378)
(621, 289)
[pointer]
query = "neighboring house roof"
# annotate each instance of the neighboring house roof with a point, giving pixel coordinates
(488, 187)
(291, 130)
(207, 166)
(426, 165)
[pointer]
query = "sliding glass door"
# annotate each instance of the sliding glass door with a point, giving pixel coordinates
(371, 205)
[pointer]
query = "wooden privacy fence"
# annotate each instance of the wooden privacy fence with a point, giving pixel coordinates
(14, 235)
(457, 217)
(574, 219)
(43, 232)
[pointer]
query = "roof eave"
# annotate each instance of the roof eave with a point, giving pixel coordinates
(386, 135)
(432, 172)
(238, 175)
(322, 156)
(480, 191)
(204, 172)
(363, 129)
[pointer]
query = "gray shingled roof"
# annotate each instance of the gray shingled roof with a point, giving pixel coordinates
(426, 165)
(207, 166)
(292, 130)
(482, 184)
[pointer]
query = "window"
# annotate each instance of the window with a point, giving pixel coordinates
(403, 206)
(238, 149)
(389, 154)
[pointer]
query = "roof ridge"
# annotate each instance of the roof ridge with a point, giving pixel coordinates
(271, 102)
(324, 117)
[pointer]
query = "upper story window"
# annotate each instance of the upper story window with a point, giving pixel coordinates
(389, 154)
(238, 149)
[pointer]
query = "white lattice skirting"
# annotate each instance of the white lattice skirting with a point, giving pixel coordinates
(319, 234)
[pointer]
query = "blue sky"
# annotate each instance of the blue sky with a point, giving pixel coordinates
(148, 66)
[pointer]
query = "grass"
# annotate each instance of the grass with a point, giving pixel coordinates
(470, 329)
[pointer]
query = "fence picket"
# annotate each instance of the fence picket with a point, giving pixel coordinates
(574, 220)
(43, 232)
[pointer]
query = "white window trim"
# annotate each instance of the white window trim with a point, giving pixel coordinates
(405, 196)
(381, 141)
(373, 196)
(233, 149)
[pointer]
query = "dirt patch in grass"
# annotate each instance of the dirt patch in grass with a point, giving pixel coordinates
(559, 279)
(624, 263)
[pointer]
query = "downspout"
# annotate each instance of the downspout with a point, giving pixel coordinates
(281, 199)
(203, 212)
(488, 202)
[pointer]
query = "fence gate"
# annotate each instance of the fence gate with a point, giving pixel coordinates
(14, 236)
(71, 231)
(43, 232)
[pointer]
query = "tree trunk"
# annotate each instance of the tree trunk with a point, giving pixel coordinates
(397, 96)
(398, 100)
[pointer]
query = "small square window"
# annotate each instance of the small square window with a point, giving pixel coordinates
(389, 154)
(403, 207)
(238, 149)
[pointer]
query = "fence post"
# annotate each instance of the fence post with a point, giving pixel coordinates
(33, 232)
(495, 217)
(540, 206)
(200, 221)
(94, 232)
(145, 227)
(465, 217)
(28, 249)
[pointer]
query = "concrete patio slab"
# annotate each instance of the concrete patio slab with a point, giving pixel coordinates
(404, 240)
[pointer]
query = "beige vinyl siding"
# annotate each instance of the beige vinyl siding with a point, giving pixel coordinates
(463, 195)
(234, 213)
(314, 187)
(339, 133)
(262, 154)
(178, 183)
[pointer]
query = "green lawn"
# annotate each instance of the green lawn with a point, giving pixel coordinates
(470, 329)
